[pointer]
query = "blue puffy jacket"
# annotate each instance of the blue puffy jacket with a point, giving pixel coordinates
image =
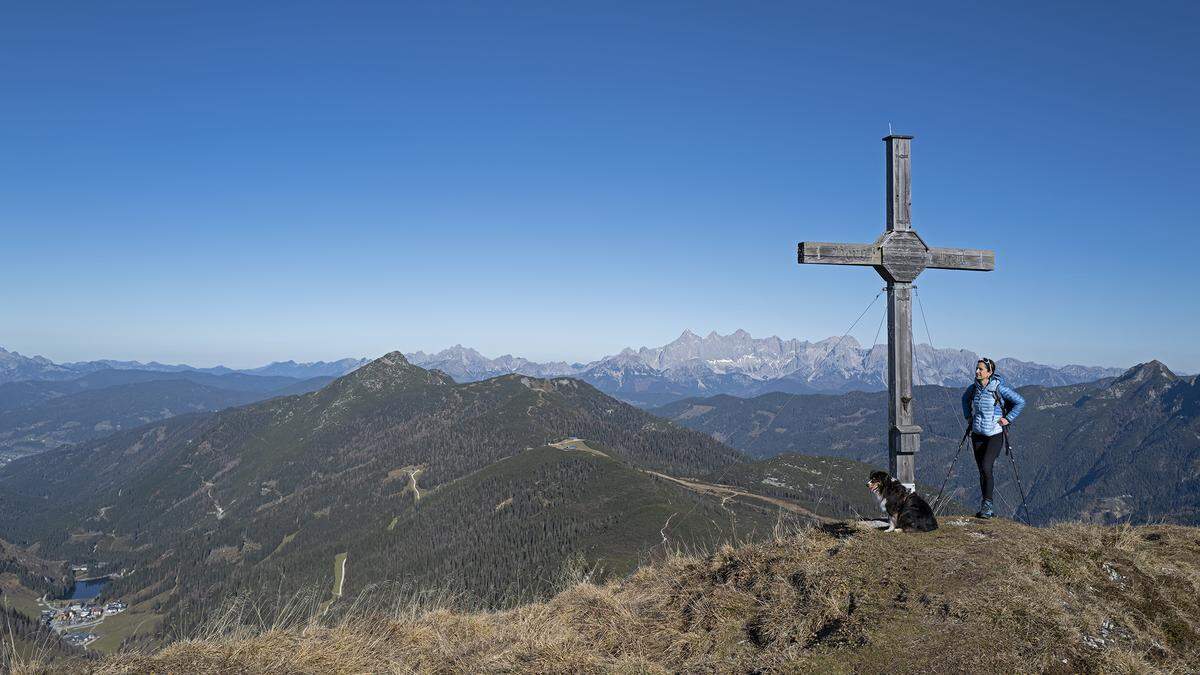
(980, 405)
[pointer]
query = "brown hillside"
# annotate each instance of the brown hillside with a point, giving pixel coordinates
(971, 597)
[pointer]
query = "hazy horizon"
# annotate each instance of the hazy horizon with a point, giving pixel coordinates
(240, 365)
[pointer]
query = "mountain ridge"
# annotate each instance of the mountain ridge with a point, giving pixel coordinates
(14, 367)
(742, 365)
(690, 365)
(1115, 450)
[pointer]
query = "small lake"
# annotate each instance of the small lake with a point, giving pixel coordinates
(86, 589)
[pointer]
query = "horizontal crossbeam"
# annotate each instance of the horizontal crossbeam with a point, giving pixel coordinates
(975, 259)
(824, 253)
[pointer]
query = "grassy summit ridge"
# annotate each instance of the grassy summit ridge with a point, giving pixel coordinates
(971, 597)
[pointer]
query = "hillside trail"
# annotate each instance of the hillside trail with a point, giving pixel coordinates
(666, 525)
(220, 511)
(341, 577)
(725, 492)
(410, 475)
(412, 483)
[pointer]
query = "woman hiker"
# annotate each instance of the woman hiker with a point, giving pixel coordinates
(990, 405)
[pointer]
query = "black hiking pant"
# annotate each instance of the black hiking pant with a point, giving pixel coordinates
(987, 449)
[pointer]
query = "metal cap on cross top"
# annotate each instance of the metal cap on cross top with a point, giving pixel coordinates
(899, 255)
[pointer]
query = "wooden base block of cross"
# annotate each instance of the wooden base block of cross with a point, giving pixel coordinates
(899, 255)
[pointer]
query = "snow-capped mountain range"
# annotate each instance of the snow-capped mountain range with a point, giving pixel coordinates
(742, 365)
(737, 364)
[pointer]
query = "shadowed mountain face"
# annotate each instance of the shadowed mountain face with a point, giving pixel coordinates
(15, 395)
(31, 572)
(40, 415)
(15, 367)
(408, 473)
(1123, 448)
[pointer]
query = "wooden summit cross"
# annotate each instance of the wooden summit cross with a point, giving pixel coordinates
(899, 255)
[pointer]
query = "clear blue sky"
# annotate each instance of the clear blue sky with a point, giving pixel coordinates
(243, 182)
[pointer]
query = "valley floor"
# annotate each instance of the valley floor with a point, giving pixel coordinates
(971, 597)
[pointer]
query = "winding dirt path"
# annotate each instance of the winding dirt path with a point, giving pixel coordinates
(412, 483)
(663, 531)
(208, 489)
(727, 492)
(341, 577)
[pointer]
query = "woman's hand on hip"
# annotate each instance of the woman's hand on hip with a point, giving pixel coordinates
(1003, 422)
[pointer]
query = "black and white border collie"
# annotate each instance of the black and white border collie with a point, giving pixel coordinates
(905, 510)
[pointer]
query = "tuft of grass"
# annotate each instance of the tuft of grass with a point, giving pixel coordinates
(973, 596)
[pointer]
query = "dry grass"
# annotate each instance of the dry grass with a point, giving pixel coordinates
(973, 597)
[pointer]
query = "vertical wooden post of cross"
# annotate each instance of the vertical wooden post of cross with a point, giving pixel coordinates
(904, 436)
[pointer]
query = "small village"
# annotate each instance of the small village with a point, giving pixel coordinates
(80, 614)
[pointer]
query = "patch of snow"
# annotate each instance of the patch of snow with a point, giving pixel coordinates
(1113, 574)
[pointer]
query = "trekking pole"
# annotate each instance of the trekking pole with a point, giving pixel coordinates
(1016, 472)
(937, 502)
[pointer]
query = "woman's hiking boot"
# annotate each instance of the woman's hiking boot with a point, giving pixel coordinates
(985, 510)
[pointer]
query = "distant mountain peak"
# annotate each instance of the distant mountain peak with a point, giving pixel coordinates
(1160, 366)
(843, 343)
(391, 361)
(1143, 371)
(392, 370)
(741, 364)
(1151, 373)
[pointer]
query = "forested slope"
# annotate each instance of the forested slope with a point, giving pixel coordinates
(202, 507)
(1113, 450)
